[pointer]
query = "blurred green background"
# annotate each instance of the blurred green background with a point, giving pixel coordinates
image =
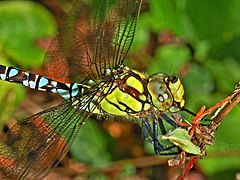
(197, 40)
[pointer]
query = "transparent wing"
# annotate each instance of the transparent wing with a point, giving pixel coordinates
(97, 35)
(32, 148)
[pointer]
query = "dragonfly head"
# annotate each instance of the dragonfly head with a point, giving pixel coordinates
(166, 92)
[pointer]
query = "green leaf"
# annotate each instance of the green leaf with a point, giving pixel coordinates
(22, 23)
(169, 59)
(215, 20)
(93, 142)
(181, 138)
(165, 15)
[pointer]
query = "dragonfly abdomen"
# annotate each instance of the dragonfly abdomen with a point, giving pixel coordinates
(41, 83)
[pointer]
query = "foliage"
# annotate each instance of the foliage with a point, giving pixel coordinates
(21, 25)
(210, 74)
(204, 52)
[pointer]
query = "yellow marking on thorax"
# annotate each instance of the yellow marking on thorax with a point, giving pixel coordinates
(146, 106)
(112, 98)
(111, 109)
(143, 76)
(113, 102)
(117, 97)
(135, 83)
(130, 101)
(143, 97)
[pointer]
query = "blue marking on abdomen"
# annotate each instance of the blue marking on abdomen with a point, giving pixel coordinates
(13, 72)
(43, 81)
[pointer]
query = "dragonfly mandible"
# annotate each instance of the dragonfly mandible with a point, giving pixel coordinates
(85, 65)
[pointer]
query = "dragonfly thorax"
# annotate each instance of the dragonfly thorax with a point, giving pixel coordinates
(125, 94)
(166, 92)
(134, 93)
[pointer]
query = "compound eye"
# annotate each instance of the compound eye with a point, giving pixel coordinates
(174, 79)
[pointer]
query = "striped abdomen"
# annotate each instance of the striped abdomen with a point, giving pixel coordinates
(41, 83)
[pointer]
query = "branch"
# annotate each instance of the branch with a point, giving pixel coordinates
(203, 136)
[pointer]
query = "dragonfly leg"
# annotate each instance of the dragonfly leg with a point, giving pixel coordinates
(168, 119)
(161, 125)
(146, 128)
(158, 148)
(152, 130)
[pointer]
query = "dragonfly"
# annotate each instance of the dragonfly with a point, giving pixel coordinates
(85, 65)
